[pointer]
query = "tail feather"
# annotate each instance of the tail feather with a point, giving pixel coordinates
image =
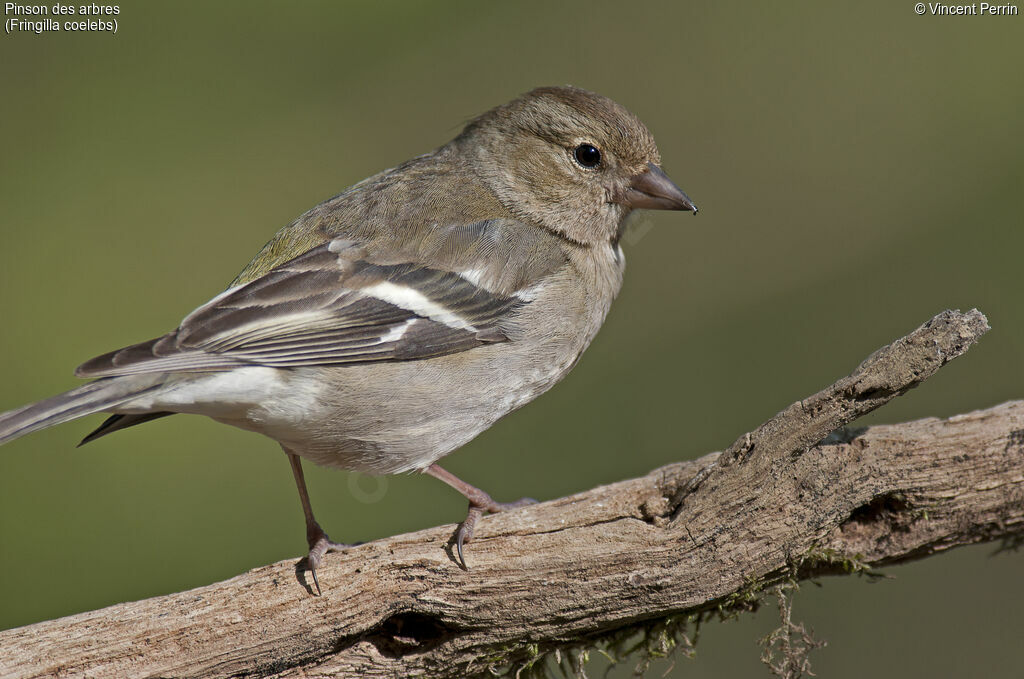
(85, 400)
(119, 422)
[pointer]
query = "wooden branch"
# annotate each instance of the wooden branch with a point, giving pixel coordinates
(681, 539)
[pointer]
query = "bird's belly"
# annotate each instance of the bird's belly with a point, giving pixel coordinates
(378, 418)
(388, 418)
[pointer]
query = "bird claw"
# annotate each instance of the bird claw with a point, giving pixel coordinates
(319, 544)
(521, 502)
(465, 531)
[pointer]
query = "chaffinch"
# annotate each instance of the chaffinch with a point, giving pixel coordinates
(393, 323)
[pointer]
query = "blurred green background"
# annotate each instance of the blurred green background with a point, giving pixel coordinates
(858, 168)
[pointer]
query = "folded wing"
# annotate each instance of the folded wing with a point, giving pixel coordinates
(325, 307)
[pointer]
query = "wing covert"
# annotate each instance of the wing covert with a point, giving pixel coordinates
(326, 307)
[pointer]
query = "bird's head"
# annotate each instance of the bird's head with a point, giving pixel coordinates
(572, 161)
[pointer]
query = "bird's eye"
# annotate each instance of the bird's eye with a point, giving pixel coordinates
(587, 155)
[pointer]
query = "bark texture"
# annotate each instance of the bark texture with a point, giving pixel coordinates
(795, 498)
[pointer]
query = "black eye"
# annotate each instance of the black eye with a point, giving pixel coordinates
(586, 155)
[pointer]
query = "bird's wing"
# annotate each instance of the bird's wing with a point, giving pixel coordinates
(329, 306)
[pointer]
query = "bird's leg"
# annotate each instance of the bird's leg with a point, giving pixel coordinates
(479, 502)
(319, 542)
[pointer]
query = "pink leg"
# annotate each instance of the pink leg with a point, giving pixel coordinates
(319, 542)
(479, 502)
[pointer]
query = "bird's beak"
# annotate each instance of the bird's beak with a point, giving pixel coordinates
(653, 190)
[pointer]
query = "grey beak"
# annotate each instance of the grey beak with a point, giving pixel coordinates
(653, 190)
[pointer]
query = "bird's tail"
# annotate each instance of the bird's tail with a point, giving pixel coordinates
(89, 398)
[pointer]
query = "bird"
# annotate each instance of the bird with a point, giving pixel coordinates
(391, 324)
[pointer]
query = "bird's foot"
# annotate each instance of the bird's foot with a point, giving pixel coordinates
(478, 504)
(319, 544)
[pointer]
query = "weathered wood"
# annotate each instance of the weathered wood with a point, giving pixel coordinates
(566, 570)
